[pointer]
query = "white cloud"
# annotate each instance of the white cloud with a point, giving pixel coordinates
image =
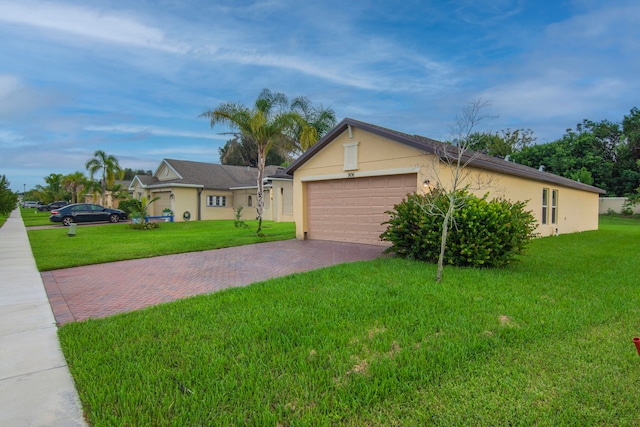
(155, 130)
(82, 21)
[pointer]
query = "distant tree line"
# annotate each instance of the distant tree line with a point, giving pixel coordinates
(74, 186)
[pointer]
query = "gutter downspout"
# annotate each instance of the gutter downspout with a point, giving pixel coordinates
(200, 203)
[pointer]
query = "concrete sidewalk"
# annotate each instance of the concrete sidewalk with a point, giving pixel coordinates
(36, 388)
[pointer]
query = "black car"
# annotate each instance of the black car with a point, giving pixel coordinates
(53, 205)
(86, 212)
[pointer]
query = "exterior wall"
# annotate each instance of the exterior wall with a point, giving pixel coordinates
(217, 212)
(281, 198)
(278, 202)
(241, 198)
(576, 211)
(615, 204)
(184, 200)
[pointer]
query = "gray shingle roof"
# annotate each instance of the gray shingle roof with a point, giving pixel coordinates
(478, 160)
(208, 175)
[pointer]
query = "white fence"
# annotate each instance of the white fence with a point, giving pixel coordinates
(615, 204)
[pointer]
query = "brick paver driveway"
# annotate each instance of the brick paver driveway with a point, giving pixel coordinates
(101, 290)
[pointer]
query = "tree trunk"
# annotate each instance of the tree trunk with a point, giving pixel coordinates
(445, 233)
(260, 195)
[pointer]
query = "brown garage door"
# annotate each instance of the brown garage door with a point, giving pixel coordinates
(353, 209)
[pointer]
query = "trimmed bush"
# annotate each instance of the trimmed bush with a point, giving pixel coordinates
(127, 205)
(484, 233)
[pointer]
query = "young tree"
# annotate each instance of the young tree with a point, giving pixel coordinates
(455, 158)
(269, 123)
(108, 165)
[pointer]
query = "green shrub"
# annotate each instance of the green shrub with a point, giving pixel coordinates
(127, 206)
(484, 233)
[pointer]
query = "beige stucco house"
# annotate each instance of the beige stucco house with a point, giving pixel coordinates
(343, 185)
(205, 191)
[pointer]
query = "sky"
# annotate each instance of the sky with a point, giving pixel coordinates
(131, 77)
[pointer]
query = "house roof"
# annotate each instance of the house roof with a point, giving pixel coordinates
(205, 175)
(428, 145)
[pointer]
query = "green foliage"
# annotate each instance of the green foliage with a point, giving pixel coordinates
(606, 150)
(8, 199)
(127, 205)
(240, 151)
(53, 190)
(238, 222)
(582, 175)
(128, 173)
(501, 144)
(140, 208)
(484, 233)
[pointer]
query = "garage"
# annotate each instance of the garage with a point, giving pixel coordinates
(163, 203)
(353, 209)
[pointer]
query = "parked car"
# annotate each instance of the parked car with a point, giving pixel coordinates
(53, 205)
(86, 212)
(30, 204)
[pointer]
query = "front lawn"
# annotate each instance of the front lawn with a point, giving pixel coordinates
(32, 217)
(53, 249)
(547, 341)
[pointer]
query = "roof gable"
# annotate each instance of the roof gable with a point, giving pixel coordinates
(432, 146)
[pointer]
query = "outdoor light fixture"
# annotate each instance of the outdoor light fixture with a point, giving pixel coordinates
(425, 183)
(172, 196)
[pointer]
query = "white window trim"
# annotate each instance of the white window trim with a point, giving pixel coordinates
(545, 206)
(213, 198)
(554, 207)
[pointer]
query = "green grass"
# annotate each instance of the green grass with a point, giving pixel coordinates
(33, 217)
(547, 341)
(3, 219)
(53, 249)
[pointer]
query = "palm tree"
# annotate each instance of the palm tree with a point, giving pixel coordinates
(75, 183)
(109, 166)
(54, 190)
(270, 123)
(317, 121)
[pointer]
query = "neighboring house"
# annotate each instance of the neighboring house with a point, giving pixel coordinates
(109, 201)
(203, 191)
(345, 183)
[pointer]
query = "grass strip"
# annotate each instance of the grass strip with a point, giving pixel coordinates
(53, 249)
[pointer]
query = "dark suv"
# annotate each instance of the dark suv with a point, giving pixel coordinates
(53, 205)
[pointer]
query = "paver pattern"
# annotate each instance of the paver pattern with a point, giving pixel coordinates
(101, 290)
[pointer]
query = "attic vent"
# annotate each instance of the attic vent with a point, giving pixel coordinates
(351, 156)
